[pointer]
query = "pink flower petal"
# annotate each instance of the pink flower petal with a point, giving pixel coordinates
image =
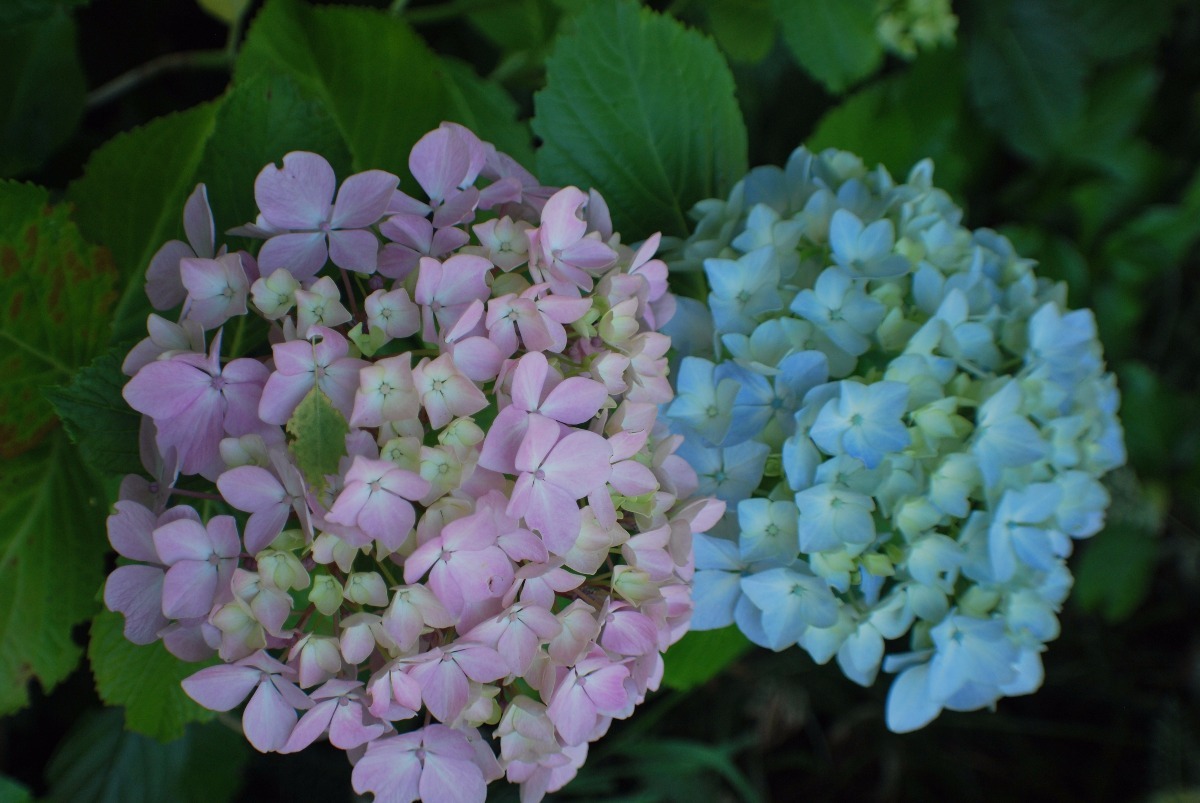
(129, 531)
(362, 199)
(390, 769)
(574, 400)
(189, 589)
(311, 726)
(268, 719)
(136, 591)
(221, 688)
(163, 283)
(528, 380)
(297, 196)
(579, 463)
(354, 249)
(302, 254)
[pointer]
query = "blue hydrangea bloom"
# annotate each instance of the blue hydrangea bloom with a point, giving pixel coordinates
(909, 426)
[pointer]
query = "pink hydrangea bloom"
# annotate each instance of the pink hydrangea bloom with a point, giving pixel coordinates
(487, 509)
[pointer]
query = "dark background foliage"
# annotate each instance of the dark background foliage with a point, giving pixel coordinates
(1071, 125)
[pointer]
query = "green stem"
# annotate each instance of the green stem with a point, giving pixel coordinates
(169, 62)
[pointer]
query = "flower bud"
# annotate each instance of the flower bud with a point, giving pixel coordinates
(367, 588)
(326, 594)
(283, 570)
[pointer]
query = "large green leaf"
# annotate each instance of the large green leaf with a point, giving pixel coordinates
(97, 418)
(261, 120)
(143, 678)
(41, 96)
(100, 762)
(51, 565)
(834, 40)
(642, 109)
(913, 115)
(701, 655)
(55, 291)
(1026, 67)
(745, 29)
(131, 198)
(382, 84)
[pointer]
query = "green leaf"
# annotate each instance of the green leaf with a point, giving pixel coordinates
(262, 119)
(384, 87)
(517, 25)
(1114, 29)
(131, 198)
(13, 792)
(51, 565)
(97, 418)
(1026, 70)
(915, 114)
(319, 437)
(745, 29)
(15, 12)
(1114, 572)
(142, 678)
(55, 291)
(701, 654)
(41, 98)
(99, 762)
(834, 40)
(227, 11)
(642, 109)
(692, 761)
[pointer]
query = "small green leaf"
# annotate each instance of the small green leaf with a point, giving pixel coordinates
(642, 109)
(51, 565)
(701, 654)
(227, 11)
(142, 678)
(834, 40)
(55, 291)
(41, 97)
(319, 433)
(337, 53)
(1114, 572)
(131, 198)
(97, 418)
(262, 119)
(100, 762)
(1026, 70)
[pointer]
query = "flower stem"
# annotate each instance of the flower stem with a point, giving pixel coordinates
(169, 62)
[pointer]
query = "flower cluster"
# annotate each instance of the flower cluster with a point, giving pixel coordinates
(438, 512)
(907, 424)
(907, 26)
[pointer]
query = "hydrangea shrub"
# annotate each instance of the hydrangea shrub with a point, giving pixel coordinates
(429, 513)
(908, 425)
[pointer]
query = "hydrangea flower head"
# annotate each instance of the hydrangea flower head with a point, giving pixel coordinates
(446, 530)
(908, 426)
